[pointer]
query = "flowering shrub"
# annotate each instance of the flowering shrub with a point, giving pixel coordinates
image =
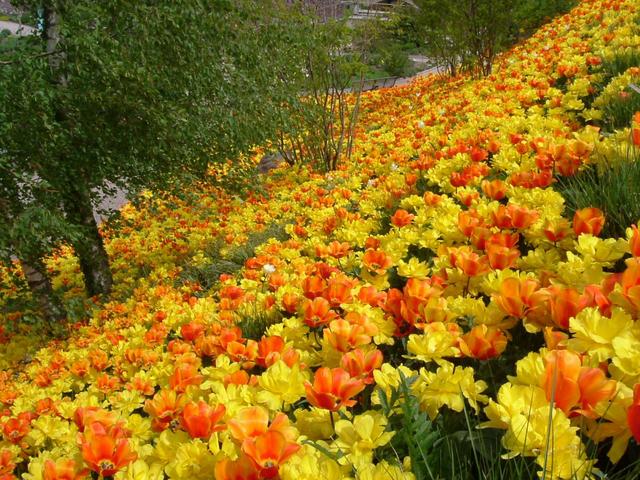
(436, 273)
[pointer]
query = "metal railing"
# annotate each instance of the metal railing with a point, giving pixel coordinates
(375, 83)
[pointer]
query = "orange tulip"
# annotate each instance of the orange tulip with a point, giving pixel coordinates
(514, 216)
(338, 291)
(268, 451)
(431, 199)
(516, 296)
(376, 261)
(628, 294)
(7, 464)
(468, 261)
(46, 406)
(98, 359)
(105, 451)
(200, 420)
(313, 286)
(290, 302)
(15, 429)
(245, 354)
(501, 257)
(141, 385)
(556, 230)
(62, 469)
(84, 416)
(479, 237)
(401, 218)
(555, 339)
(332, 389)
(185, 374)
(468, 221)
(360, 364)
(207, 346)
(635, 130)
(164, 408)
(504, 239)
(80, 368)
(594, 388)
(192, 330)
(560, 381)
(343, 336)
(634, 241)
(371, 296)
(596, 296)
(317, 312)
(588, 220)
(494, 189)
(479, 154)
(269, 350)
(339, 249)
(241, 469)
(250, 422)
(633, 413)
(483, 342)
(521, 217)
(467, 198)
(564, 304)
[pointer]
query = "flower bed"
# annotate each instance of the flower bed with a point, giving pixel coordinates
(429, 309)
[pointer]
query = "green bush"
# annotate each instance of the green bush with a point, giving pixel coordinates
(394, 60)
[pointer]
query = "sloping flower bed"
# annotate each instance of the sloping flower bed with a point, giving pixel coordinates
(433, 291)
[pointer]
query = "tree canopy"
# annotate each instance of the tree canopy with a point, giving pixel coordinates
(113, 94)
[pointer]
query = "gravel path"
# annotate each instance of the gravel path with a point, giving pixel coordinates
(16, 28)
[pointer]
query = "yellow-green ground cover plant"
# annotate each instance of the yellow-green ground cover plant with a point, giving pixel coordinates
(434, 308)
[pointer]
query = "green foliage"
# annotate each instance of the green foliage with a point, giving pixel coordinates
(394, 59)
(418, 433)
(254, 323)
(528, 15)
(615, 190)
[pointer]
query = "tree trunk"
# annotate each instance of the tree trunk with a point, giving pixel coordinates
(93, 257)
(94, 261)
(50, 306)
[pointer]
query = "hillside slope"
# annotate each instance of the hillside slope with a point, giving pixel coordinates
(326, 324)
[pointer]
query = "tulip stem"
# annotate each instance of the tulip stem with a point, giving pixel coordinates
(333, 423)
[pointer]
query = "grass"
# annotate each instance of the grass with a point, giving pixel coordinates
(619, 111)
(615, 191)
(620, 63)
(208, 274)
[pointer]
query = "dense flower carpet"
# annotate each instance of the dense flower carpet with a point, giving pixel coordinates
(440, 265)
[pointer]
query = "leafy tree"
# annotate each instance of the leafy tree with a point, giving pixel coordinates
(318, 126)
(470, 33)
(120, 95)
(456, 31)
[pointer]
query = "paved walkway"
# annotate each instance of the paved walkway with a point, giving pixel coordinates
(16, 28)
